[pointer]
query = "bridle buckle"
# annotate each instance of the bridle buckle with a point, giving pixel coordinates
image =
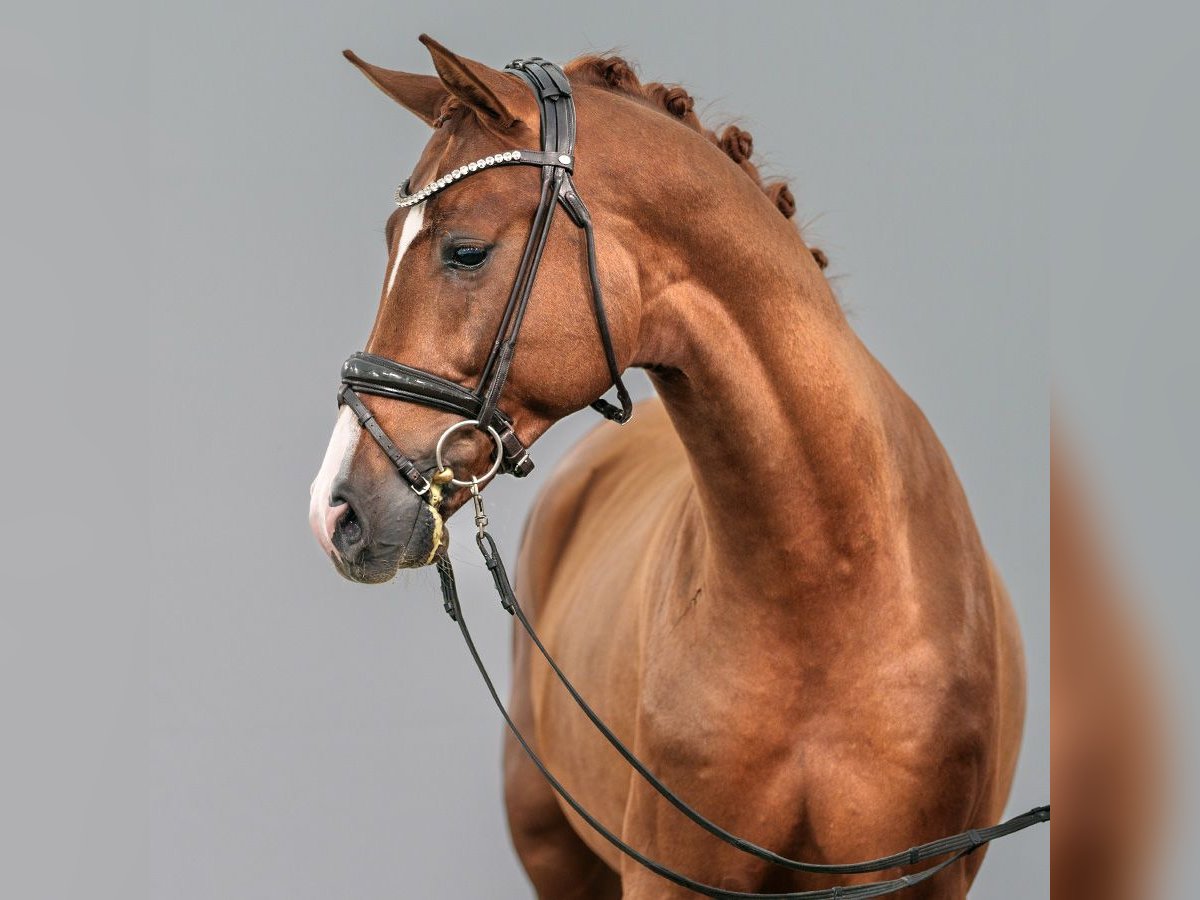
(481, 519)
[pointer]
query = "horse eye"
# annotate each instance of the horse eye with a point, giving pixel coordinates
(468, 257)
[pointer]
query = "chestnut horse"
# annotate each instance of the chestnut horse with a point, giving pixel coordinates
(769, 582)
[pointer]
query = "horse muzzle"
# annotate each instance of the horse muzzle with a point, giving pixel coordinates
(372, 531)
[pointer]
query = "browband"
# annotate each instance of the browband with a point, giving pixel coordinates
(508, 158)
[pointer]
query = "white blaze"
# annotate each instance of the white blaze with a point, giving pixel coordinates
(412, 224)
(322, 515)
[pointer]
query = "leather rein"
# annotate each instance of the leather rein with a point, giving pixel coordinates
(365, 373)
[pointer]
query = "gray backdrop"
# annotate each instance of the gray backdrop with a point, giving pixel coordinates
(312, 738)
(248, 725)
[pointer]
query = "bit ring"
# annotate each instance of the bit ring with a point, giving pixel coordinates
(492, 470)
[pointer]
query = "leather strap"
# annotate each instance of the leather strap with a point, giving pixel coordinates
(967, 840)
(557, 111)
(406, 467)
(371, 374)
(620, 414)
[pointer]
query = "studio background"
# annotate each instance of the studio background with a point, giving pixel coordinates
(195, 706)
(311, 738)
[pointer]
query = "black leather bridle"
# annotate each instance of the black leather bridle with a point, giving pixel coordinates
(365, 373)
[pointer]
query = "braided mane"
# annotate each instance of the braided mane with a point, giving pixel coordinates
(609, 71)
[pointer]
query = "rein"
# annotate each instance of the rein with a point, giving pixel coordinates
(959, 845)
(365, 373)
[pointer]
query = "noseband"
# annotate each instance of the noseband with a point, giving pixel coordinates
(366, 373)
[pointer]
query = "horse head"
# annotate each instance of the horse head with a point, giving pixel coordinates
(453, 259)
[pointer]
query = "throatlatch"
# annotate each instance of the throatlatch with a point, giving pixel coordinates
(365, 373)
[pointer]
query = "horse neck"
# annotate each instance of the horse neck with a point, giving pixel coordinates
(782, 411)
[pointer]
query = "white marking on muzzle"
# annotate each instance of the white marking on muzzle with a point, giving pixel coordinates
(322, 514)
(412, 225)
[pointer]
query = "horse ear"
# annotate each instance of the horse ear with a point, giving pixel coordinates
(500, 100)
(419, 94)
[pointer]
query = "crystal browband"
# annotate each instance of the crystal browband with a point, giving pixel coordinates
(508, 158)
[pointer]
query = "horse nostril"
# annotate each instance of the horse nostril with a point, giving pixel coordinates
(345, 529)
(349, 527)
